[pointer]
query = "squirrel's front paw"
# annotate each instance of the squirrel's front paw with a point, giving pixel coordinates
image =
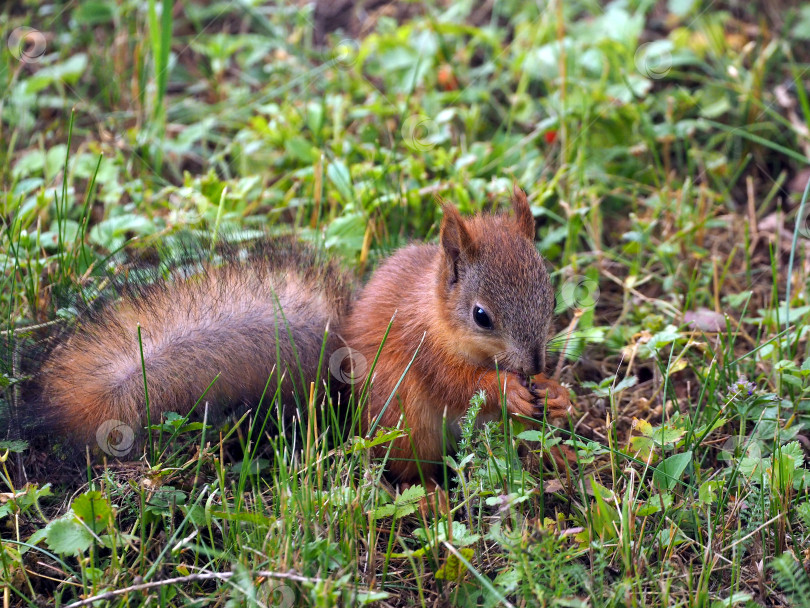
(550, 397)
(541, 397)
(520, 399)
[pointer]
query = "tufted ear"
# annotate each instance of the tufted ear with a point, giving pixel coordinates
(457, 244)
(523, 213)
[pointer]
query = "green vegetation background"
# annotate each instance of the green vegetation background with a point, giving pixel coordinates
(665, 149)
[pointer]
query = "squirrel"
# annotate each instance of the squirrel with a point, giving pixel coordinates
(479, 307)
(473, 312)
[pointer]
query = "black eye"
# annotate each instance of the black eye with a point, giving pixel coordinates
(481, 318)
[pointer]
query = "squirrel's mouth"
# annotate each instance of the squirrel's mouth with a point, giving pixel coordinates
(502, 367)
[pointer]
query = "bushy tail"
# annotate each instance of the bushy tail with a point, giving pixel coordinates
(224, 330)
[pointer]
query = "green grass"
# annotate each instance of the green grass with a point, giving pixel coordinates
(660, 144)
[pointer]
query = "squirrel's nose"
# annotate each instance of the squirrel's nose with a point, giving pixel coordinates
(538, 362)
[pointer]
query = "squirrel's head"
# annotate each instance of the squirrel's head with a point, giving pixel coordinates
(497, 287)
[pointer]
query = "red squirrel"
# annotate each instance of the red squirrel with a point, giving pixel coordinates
(478, 306)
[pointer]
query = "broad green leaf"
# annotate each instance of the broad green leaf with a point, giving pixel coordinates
(669, 472)
(643, 427)
(531, 435)
(605, 516)
(707, 493)
(663, 436)
(654, 505)
(300, 149)
(794, 451)
(705, 430)
(784, 365)
(93, 12)
(625, 383)
(346, 233)
(68, 537)
(338, 174)
(68, 71)
(93, 509)
(641, 447)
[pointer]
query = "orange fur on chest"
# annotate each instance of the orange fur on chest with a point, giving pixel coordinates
(429, 400)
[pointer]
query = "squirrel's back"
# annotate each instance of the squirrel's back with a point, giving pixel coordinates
(230, 324)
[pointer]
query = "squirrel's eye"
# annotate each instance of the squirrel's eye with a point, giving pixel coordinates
(481, 318)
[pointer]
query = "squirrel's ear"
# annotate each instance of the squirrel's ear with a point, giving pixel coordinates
(457, 243)
(523, 213)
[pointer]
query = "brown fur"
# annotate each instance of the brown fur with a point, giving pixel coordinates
(488, 260)
(224, 319)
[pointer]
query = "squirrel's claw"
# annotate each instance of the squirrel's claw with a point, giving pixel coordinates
(550, 397)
